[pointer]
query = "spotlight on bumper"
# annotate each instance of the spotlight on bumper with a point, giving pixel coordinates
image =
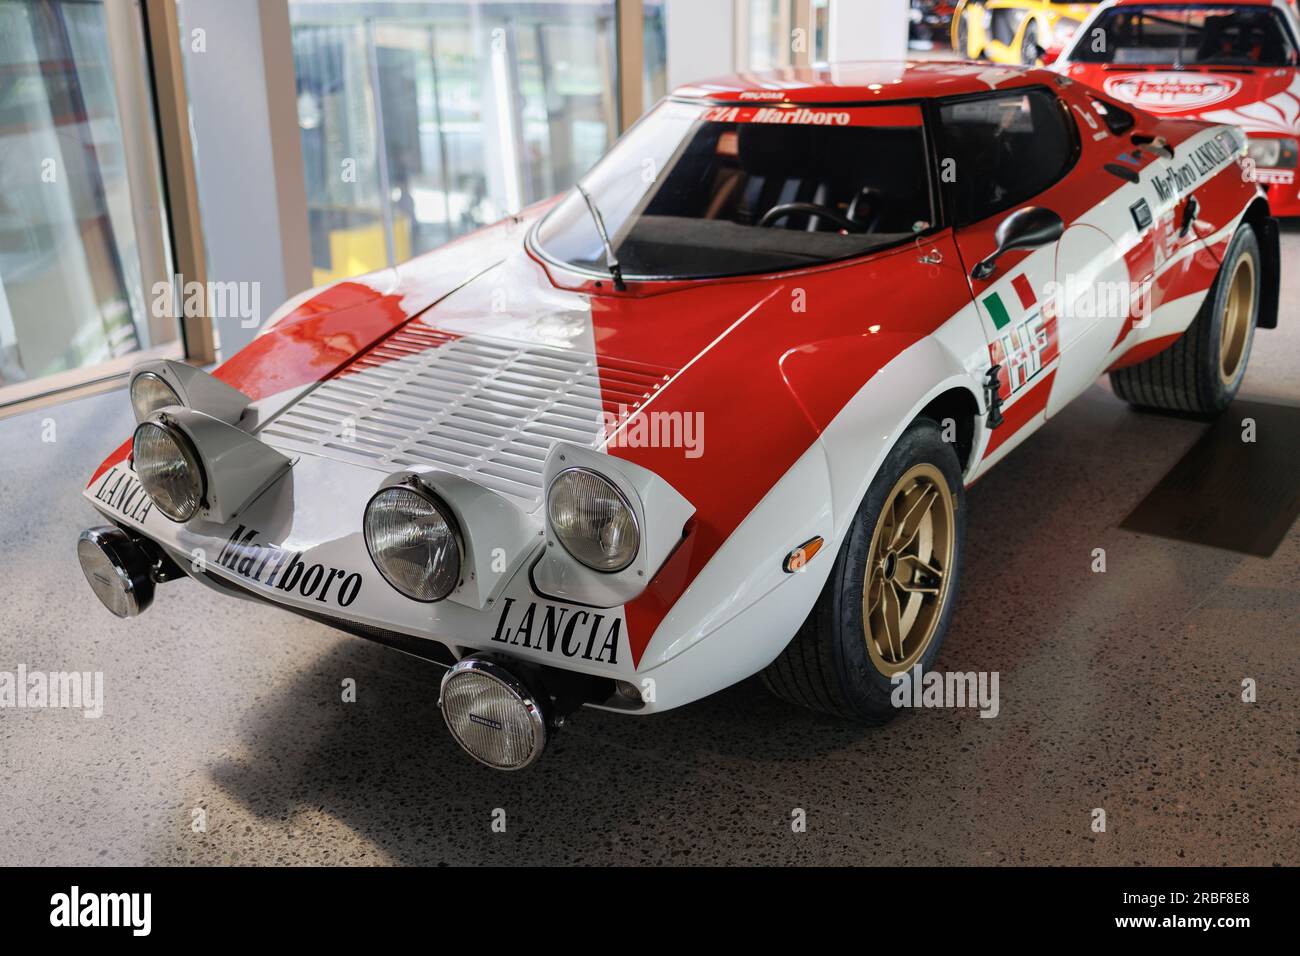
(117, 569)
(492, 714)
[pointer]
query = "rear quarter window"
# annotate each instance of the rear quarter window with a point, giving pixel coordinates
(1002, 149)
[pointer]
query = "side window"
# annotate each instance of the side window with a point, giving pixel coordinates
(1004, 149)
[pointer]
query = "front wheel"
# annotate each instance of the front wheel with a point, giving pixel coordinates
(1202, 371)
(886, 605)
(1029, 45)
(961, 36)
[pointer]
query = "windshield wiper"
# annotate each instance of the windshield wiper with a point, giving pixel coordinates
(611, 260)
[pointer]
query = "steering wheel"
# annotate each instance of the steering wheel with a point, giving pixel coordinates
(781, 210)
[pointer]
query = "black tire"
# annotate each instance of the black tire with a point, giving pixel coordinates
(1187, 377)
(1029, 45)
(827, 666)
(961, 43)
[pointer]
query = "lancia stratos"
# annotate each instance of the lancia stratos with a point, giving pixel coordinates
(1234, 62)
(712, 412)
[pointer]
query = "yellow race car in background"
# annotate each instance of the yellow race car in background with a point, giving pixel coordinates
(1027, 32)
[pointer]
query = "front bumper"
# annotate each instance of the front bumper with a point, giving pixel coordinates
(1283, 191)
(293, 547)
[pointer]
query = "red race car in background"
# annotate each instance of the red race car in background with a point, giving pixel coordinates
(1232, 61)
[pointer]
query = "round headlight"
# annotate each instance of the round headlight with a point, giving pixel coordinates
(414, 541)
(116, 569)
(1274, 153)
(168, 468)
(150, 393)
(1265, 152)
(593, 520)
(492, 714)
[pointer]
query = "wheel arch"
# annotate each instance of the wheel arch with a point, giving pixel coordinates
(819, 495)
(959, 405)
(1270, 251)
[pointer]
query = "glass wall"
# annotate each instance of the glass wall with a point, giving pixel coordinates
(821, 24)
(766, 28)
(654, 53)
(422, 120)
(74, 192)
(779, 33)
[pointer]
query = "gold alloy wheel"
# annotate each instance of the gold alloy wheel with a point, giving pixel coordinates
(1238, 313)
(906, 581)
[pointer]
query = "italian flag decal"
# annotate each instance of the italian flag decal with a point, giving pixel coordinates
(1026, 340)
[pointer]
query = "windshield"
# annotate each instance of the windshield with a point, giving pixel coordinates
(695, 190)
(1195, 35)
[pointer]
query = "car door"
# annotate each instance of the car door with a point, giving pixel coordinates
(1051, 300)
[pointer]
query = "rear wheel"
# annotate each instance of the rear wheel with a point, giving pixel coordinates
(1202, 371)
(886, 605)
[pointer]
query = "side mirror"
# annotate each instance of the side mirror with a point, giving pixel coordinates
(1028, 228)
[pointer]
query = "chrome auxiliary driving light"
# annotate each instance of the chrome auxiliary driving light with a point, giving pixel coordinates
(492, 714)
(117, 570)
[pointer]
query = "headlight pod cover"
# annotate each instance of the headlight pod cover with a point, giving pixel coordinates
(598, 534)
(195, 466)
(149, 393)
(169, 469)
(414, 542)
(152, 381)
(593, 520)
(1273, 153)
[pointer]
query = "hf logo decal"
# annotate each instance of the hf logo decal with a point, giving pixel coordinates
(1026, 343)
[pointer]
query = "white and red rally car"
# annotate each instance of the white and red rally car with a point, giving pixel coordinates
(1230, 61)
(713, 411)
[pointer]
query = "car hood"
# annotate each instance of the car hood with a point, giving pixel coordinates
(486, 379)
(1265, 101)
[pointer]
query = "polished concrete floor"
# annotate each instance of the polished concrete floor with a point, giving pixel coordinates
(1119, 691)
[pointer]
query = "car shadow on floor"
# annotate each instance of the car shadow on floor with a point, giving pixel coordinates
(387, 769)
(728, 768)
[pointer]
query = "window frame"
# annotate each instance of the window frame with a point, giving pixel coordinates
(1072, 129)
(1289, 28)
(933, 190)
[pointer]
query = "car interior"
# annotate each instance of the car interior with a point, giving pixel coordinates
(1168, 35)
(781, 194)
(1007, 148)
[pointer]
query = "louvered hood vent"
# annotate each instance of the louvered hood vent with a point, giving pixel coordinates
(487, 409)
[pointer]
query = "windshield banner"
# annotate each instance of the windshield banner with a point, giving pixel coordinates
(787, 114)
